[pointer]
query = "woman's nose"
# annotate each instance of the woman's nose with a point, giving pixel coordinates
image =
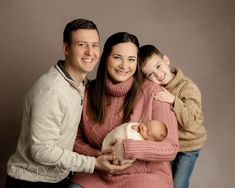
(123, 64)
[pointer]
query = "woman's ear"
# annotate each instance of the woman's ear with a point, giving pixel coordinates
(166, 60)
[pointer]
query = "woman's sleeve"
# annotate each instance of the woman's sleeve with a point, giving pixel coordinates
(165, 150)
(81, 145)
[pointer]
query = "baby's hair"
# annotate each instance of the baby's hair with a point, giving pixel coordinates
(147, 51)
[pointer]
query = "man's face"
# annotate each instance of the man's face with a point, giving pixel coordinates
(83, 52)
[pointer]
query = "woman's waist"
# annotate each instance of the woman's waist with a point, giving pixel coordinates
(147, 167)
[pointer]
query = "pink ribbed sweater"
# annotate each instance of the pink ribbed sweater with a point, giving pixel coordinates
(151, 169)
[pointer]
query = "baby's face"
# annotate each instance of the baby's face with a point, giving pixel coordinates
(148, 131)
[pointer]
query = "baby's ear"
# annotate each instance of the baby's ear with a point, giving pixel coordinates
(166, 59)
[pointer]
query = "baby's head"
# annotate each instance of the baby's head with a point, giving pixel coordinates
(155, 65)
(153, 130)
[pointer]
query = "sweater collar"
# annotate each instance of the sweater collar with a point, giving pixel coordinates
(178, 77)
(119, 89)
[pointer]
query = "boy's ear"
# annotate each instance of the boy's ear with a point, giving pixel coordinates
(166, 60)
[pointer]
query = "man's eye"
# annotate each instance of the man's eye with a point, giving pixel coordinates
(96, 45)
(81, 44)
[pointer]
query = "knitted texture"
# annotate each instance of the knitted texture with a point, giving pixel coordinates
(151, 168)
(188, 109)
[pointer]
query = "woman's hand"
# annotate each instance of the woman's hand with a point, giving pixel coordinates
(118, 153)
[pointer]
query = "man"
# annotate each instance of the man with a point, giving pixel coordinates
(51, 116)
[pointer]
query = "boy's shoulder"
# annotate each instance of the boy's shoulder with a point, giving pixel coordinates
(184, 82)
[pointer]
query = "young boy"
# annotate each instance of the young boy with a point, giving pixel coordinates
(185, 99)
(152, 130)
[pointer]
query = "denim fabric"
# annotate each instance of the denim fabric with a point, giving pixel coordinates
(182, 168)
(74, 186)
(16, 183)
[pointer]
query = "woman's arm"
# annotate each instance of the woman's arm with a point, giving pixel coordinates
(82, 147)
(165, 150)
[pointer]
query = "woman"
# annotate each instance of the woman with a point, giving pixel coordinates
(117, 96)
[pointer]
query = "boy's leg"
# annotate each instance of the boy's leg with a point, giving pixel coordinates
(182, 168)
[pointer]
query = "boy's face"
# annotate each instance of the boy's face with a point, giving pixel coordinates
(156, 69)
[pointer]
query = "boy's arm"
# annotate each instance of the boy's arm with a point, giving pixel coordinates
(187, 107)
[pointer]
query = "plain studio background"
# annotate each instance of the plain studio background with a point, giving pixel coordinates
(198, 36)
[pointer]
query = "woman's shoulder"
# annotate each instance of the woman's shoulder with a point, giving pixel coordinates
(149, 86)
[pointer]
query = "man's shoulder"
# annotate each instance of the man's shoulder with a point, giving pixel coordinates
(48, 80)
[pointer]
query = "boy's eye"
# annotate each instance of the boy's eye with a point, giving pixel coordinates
(150, 74)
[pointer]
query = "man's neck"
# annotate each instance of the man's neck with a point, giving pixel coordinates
(75, 75)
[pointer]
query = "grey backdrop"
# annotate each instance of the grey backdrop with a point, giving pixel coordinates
(197, 35)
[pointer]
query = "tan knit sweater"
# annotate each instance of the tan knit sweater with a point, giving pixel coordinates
(188, 110)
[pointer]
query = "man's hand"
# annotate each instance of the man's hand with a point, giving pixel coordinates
(164, 96)
(104, 162)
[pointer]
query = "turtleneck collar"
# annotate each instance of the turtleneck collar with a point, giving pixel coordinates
(119, 89)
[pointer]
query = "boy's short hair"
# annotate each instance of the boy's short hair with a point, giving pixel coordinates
(146, 52)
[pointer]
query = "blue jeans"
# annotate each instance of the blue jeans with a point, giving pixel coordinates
(182, 168)
(75, 186)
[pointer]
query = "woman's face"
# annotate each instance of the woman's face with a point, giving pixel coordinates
(122, 61)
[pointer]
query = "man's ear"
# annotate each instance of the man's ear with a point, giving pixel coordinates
(65, 49)
(166, 59)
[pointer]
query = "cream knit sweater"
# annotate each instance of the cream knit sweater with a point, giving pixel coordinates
(51, 115)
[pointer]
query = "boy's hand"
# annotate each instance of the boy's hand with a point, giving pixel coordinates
(164, 96)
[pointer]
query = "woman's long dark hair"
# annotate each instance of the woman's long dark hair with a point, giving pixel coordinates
(97, 92)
